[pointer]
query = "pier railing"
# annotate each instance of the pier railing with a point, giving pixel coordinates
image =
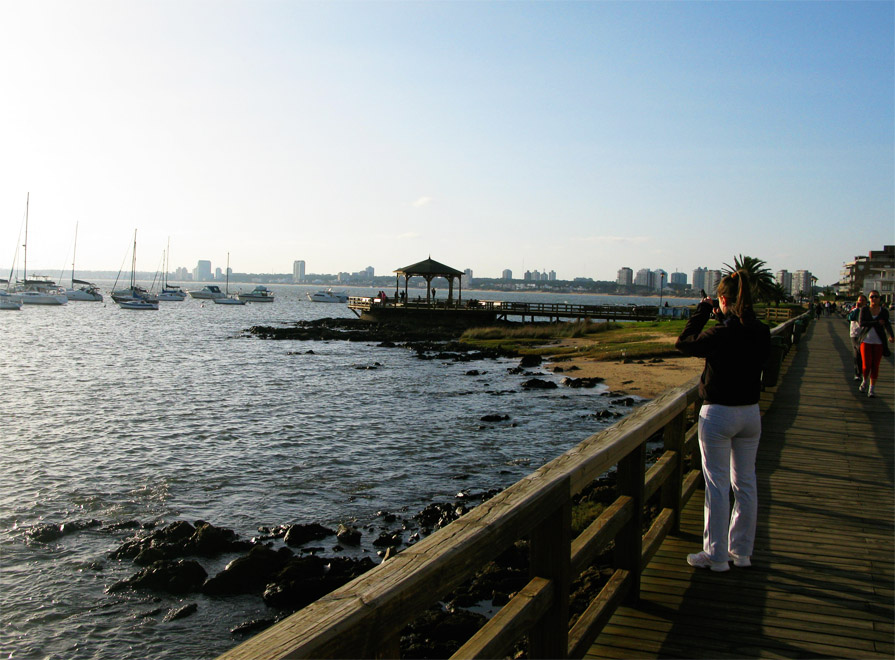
(503, 309)
(364, 618)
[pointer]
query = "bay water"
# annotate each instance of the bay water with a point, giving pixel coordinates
(116, 416)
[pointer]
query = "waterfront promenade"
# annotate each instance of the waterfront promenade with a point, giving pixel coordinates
(821, 584)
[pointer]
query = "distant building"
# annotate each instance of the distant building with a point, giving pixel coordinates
(802, 284)
(625, 276)
(699, 280)
(712, 280)
(298, 271)
(679, 278)
(645, 277)
(467, 276)
(552, 276)
(218, 273)
(784, 279)
(370, 272)
(507, 274)
(202, 272)
(661, 278)
(874, 271)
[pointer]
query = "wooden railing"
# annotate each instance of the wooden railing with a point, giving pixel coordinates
(364, 618)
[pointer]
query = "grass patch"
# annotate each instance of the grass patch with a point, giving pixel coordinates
(583, 514)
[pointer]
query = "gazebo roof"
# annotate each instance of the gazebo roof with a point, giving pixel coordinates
(429, 267)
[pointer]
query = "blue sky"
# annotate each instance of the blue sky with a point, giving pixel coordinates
(578, 137)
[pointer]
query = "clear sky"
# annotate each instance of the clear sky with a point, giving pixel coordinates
(578, 137)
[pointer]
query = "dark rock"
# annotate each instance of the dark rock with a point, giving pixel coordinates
(180, 539)
(473, 372)
(386, 516)
(494, 418)
(581, 382)
(530, 361)
(305, 579)
(174, 577)
(627, 401)
(539, 384)
(387, 539)
(299, 534)
(439, 634)
(252, 627)
(250, 573)
(45, 533)
(181, 613)
(211, 541)
(348, 535)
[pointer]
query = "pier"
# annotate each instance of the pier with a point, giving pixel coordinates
(482, 312)
(821, 584)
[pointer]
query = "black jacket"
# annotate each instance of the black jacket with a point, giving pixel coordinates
(882, 325)
(734, 352)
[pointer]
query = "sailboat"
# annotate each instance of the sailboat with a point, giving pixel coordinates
(169, 292)
(9, 300)
(228, 299)
(86, 290)
(39, 290)
(134, 297)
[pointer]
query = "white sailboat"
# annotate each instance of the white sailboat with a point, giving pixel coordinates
(134, 297)
(39, 290)
(228, 299)
(170, 292)
(86, 291)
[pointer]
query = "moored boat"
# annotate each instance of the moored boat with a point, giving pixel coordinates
(209, 292)
(85, 291)
(258, 294)
(328, 296)
(228, 299)
(10, 301)
(137, 304)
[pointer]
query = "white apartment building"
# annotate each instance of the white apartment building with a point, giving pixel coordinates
(625, 276)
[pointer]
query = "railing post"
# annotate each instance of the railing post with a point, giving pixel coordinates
(550, 555)
(629, 542)
(673, 439)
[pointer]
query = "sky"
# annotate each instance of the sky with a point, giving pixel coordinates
(578, 137)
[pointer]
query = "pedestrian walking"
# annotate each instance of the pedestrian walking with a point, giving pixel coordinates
(854, 330)
(875, 326)
(735, 349)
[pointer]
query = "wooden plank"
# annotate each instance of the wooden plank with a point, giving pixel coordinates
(512, 622)
(823, 580)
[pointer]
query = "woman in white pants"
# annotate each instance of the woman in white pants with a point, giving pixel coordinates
(735, 351)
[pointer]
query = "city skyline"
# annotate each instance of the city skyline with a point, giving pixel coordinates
(576, 136)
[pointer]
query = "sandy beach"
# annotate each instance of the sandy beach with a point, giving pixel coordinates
(647, 378)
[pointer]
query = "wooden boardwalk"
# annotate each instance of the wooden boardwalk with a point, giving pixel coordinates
(821, 584)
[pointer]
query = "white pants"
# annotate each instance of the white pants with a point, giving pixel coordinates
(728, 441)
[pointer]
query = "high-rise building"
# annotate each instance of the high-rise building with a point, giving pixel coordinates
(467, 276)
(679, 278)
(660, 278)
(802, 284)
(699, 280)
(552, 276)
(645, 277)
(298, 271)
(876, 270)
(625, 276)
(507, 274)
(202, 272)
(784, 279)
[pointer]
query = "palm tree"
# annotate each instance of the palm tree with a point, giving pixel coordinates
(764, 287)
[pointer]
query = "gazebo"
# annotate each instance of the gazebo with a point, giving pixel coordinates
(429, 269)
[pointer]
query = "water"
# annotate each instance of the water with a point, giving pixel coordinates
(119, 416)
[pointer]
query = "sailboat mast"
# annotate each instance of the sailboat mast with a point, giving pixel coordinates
(25, 269)
(227, 285)
(73, 253)
(134, 263)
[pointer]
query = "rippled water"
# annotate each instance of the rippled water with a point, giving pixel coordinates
(118, 415)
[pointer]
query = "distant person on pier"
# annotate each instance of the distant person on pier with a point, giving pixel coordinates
(875, 325)
(854, 330)
(735, 350)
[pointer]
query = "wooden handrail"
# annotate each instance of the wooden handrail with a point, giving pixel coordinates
(364, 618)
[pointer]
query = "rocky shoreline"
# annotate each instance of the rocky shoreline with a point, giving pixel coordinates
(290, 566)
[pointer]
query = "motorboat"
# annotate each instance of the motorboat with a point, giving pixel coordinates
(258, 294)
(10, 300)
(328, 296)
(209, 292)
(228, 299)
(137, 304)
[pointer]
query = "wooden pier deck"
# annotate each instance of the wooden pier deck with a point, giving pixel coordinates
(821, 584)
